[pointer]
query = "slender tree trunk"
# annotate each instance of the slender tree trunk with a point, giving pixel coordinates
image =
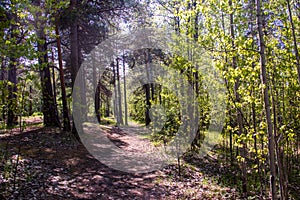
(148, 104)
(119, 93)
(279, 155)
(255, 145)
(265, 93)
(239, 114)
(279, 151)
(253, 93)
(53, 79)
(228, 88)
(231, 141)
(12, 97)
(30, 111)
(3, 99)
(116, 108)
(84, 111)
(97, 102)
(74, 46)
(66, 118)
(96, 89)
(74, 42)
(147, 91)
(125, 94)
(294, 40)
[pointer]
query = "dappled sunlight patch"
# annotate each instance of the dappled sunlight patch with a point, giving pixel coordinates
(72, 161)
(49, 150)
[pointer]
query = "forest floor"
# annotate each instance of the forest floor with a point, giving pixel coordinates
(46, 163)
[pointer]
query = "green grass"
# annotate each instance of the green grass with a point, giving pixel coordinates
(107, 121)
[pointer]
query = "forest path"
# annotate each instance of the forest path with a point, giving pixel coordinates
(131, 135)
(50, 165)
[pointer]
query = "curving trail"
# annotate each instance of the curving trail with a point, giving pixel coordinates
(53, 166)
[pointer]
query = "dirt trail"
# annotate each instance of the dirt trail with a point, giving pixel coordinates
(53, 166)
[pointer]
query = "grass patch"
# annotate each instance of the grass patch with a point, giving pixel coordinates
(108, 121)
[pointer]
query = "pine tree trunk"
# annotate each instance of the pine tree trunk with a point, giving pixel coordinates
(66, 118)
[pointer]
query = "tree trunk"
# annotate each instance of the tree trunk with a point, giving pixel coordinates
(96, 89)
(116, 108)
(229, 109)
(253, 93)
(125, 95)
(30, 111)
(66, 119)
(97, 102)
(148, 104)
(74, 58)
(3, 99)
(147, 90)
(278, 149)
(53, 79)
(74, 42)
(12, 87)
(12, 97)
(119, 93)
(49, 108)
(265, 93)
